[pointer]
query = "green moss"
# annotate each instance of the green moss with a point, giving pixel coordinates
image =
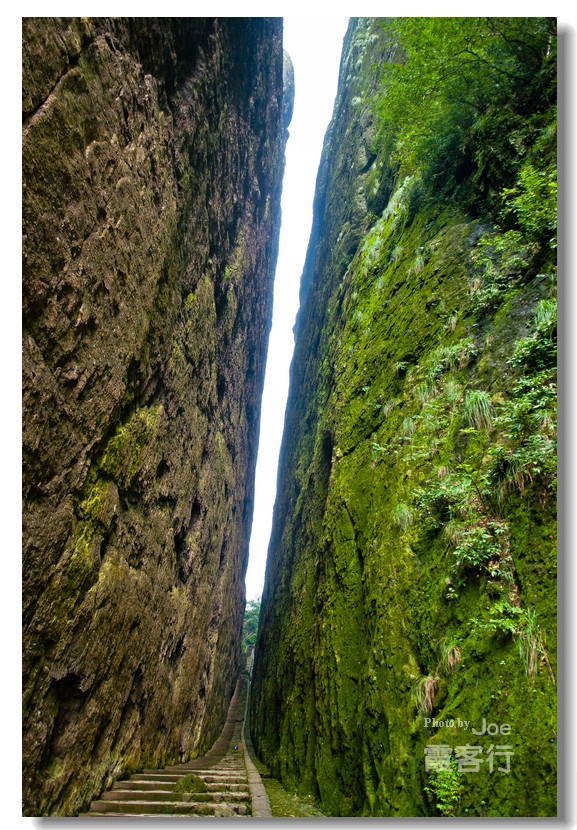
(412, 561)
(190, 784)
(394, 572)
(124, 452)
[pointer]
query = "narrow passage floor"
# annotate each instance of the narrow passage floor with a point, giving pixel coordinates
(224, 782)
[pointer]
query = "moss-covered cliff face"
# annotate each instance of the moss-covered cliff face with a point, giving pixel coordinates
(411, 570)
(153, 152)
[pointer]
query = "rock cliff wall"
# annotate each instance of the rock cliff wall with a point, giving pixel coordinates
(153, 152)
(411, 569)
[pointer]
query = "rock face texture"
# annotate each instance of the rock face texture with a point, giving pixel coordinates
(153, 153)
(411, 569)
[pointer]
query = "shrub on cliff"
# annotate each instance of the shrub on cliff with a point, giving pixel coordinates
(466, 100)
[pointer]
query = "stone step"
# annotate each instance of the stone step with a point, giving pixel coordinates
(175, 808)
(230, 789)
(139, 795)
(161, 795)
(213, 786)
(175, 775)
(157, 775)
(237, 776)
(143, 786)
(219, 797)
(224, 780)
(167, 787)
(154, 816)
(222, 773)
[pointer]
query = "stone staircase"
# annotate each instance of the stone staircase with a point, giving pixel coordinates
(224, 782)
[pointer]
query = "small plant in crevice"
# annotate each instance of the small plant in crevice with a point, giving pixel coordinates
(402, 516)
(478, 409)
(407, 428)
(424, 691)
(418, 264)
(445, 786)
(532, 645)
(500, 260)
(376, 450)
(388, 407)
(450, 655)
(459, 496)
(539, 351)
(527, 451)
(448, 358)
(504, 618)
(453, 393)
(396, 253)
(400, 368)
(478, 544)
(398, 203)
(425, 391)
(452, 320)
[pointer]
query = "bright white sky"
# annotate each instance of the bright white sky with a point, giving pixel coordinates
(315, 46)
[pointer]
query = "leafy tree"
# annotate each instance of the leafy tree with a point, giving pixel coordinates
(250, 622)
(465, 100)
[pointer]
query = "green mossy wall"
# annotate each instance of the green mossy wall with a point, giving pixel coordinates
(385, 469)
(153, 153)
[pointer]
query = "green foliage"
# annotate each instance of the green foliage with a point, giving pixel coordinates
(510, 619)
(408, 427)
(459, 99)
(539, 351)
(445, 786)
(402, 516)
(532, 645)
(532, 406)
(528, 451)
(425, 391)
(500, 262)
(478, 545)
(458, 496)
(447, 358)
(533, 201)
(535, 458)
(250, 623)
(450, 655)
(504, 618)
(478, 409)
(507, 618)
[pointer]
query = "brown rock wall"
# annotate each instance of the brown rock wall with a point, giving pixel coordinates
(152, 165)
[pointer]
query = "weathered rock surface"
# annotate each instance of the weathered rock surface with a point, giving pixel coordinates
(366, 624)
(152, 167)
